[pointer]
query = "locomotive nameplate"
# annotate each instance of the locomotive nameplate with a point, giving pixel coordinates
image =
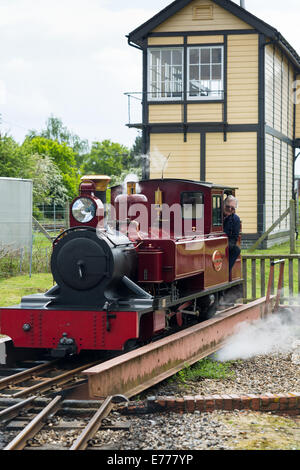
(217, 260)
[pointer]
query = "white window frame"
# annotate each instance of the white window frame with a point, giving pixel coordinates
(210, 97)
(150, 91)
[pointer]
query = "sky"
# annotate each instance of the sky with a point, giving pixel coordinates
(71, 59)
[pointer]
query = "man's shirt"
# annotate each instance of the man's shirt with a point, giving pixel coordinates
(232, 226)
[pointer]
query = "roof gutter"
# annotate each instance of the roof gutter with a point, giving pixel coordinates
(132, 44)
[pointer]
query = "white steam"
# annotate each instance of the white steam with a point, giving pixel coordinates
(159, 162)
(277, 333)
(131, 178)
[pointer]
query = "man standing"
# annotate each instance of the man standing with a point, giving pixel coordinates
(232, 226)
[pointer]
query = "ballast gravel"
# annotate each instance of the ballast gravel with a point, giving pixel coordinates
(172, 432)
(271, 373)
(274, 373)
(218, 430)
(277, 371)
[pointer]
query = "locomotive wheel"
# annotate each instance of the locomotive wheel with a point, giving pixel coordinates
(208, 307)
(131, 344)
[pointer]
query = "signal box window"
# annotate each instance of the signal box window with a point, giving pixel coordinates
(217, 210)
(205, 73)
(165, 74)
(192, 205)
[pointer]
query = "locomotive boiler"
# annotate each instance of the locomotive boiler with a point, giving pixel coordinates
(153, 259)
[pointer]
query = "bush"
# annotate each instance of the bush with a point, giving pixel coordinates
(14, 262)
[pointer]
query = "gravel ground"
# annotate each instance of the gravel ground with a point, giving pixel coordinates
(275, 372)
(219, 430)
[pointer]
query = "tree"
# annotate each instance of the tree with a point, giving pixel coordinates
(62, 155)
(55, 130)
(12, 162)
(48, 185)
(134, 159)
(106, 158)
(137, 148)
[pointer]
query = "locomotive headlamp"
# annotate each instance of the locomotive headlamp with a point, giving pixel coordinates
(83, 210)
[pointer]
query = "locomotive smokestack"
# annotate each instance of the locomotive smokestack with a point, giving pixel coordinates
(242, 3)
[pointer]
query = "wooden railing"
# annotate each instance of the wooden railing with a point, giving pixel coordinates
(256, 269)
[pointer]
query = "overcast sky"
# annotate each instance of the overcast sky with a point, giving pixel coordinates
(70, 58)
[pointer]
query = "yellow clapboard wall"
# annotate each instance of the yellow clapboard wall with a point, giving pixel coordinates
(279, 91)
(162, 41)
(242, 76)
(184, 157)
(159, 113)
(279, 181)
(197, 112)
(205, 112)
(234, 163)
(205, 39)
(184, 20)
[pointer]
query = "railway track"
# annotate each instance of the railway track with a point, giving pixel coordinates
(44, 377)
(25, 413)
(136, 371)
(29, 417)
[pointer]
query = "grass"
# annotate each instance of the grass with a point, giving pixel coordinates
(283, 249)
(262, 431)
(18, 262)
(207, 368)
(14, 288)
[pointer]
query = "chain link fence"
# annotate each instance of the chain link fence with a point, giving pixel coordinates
(34, 257)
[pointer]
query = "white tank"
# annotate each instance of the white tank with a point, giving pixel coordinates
(15, 213)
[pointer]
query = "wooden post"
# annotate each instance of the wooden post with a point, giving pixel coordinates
(292, 226)
(261, 239)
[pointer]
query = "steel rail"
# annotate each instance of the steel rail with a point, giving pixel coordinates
(13, 411)
(20, 441)
(26, 374)
(48, 383)
(94, 424)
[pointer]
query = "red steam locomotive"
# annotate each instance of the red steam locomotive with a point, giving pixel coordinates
(160, 262)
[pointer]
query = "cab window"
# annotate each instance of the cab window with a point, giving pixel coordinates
(192, 204)
(217, 210)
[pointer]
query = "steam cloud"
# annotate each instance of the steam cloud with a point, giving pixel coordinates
(277, 333)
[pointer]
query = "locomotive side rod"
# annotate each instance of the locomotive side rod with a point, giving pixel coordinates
(137, 370)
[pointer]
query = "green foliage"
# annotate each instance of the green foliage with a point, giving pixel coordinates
(48, 182)
(134, 160)
(15, 262)
(56, 131)
(54, 158)
(62, 155)
(106, 158)
(206, 368)
(13, 164)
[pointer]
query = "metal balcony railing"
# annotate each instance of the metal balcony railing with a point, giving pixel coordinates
(135, 100)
